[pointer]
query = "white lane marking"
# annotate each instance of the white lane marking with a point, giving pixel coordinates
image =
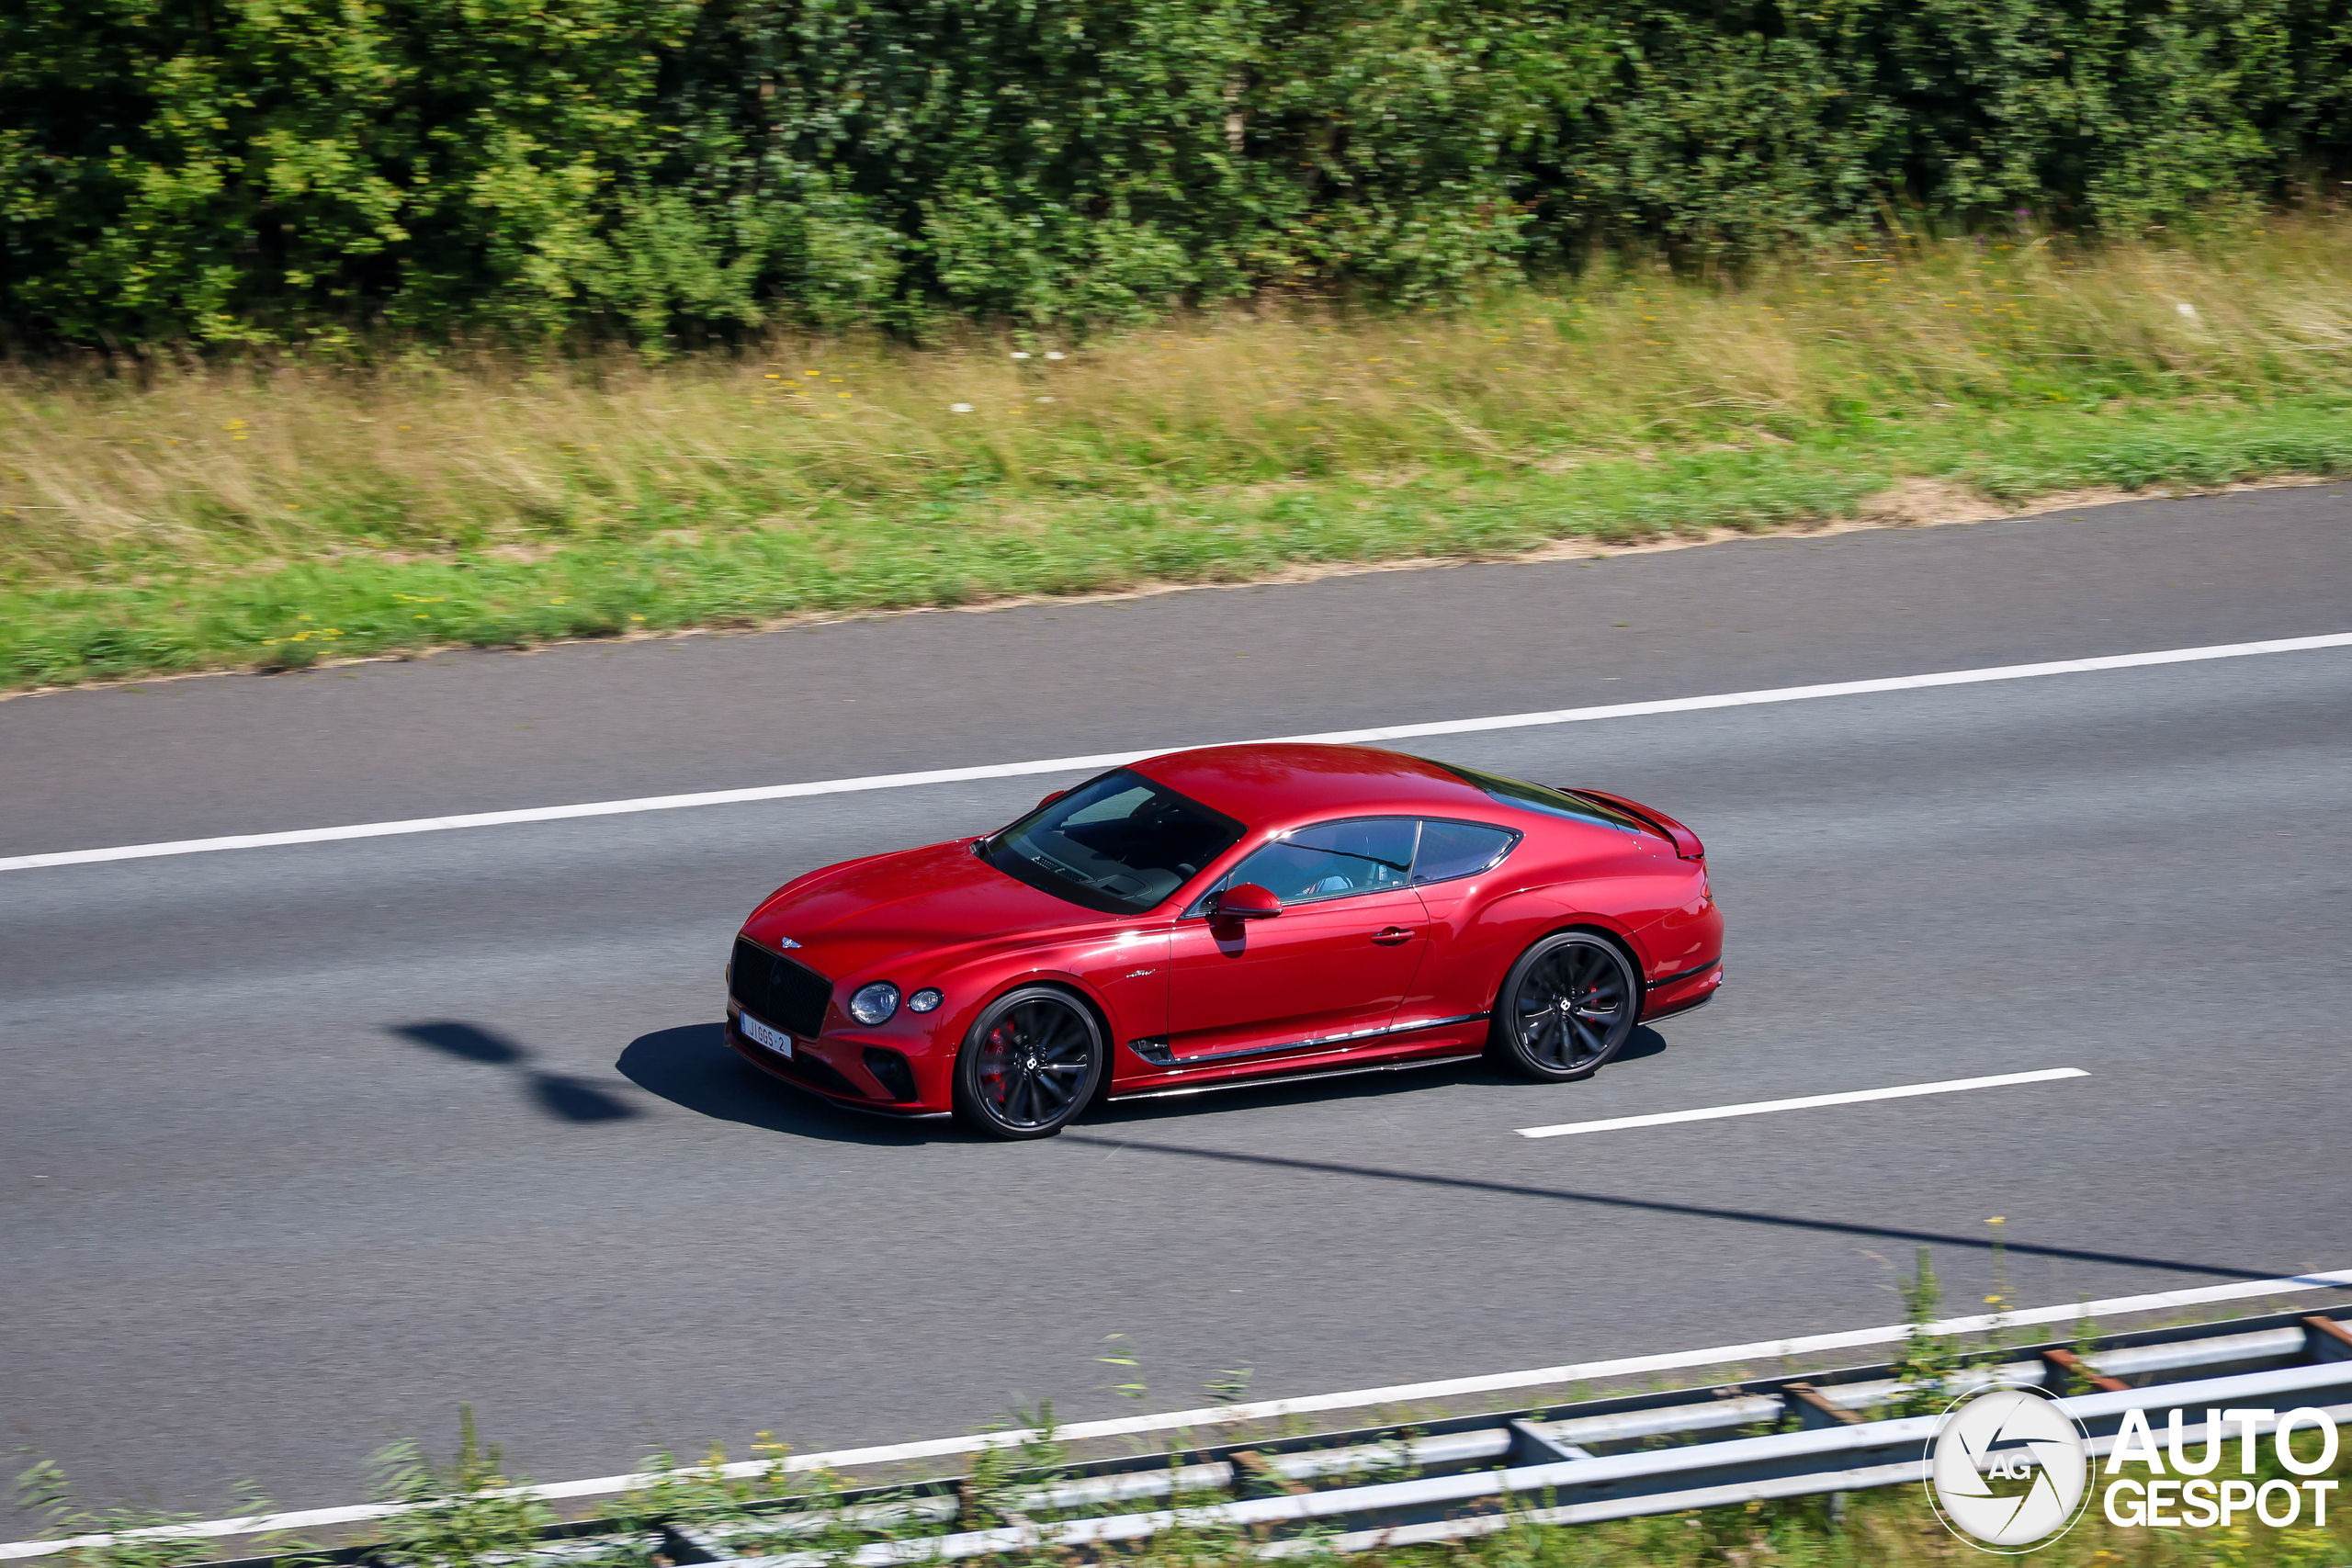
(1115, 759)
(1804, 1102)
(1269, 1409)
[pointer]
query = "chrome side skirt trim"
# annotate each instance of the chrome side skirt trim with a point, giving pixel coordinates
(1340, 1072)
(1441, 1022)
(1155, 1049)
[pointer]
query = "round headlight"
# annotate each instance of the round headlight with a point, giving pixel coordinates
(874, 1003)
(924, 1000)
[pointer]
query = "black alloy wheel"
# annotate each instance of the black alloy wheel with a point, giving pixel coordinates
(1567, 1007)
(1030, 1064)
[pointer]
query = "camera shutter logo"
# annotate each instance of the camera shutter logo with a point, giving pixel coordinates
(2009, 1470)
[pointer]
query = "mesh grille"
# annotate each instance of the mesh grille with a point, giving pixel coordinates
(818, 1074)
(778, 991)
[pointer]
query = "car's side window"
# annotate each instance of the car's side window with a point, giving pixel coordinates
(1449, 849)
(1331, 859)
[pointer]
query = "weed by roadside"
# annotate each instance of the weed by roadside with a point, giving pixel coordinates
(461, 1511)
(1884, 1527)
(132, 1536)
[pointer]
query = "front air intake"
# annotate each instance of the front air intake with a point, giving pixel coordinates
(890, 1070)
(817, 1074)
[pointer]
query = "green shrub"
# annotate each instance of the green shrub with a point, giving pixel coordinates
(257, 171)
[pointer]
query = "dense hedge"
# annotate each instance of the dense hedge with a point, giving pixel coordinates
(225, 169)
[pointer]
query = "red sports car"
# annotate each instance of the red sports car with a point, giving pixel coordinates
(1228, 914)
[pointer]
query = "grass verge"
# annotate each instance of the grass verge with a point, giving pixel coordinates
(459, 1524)
(157, 517)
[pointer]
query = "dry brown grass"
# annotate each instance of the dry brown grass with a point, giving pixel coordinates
(116, 471)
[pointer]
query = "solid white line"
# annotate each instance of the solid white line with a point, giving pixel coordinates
(1115, 759)
(1805, 1102)
(1270, 1409)
(564, 813)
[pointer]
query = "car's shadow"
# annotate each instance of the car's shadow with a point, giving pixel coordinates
(692, 1067)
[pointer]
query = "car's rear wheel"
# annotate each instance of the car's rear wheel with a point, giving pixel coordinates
(1567, 1007)
(1030, 1064)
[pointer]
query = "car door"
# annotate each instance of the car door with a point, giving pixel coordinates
(1456, 871)
(1331, 965)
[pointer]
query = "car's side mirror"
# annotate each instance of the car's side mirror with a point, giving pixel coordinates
(1051, 798)
(1247, 901)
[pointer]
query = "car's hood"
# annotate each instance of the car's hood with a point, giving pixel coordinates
(913, 907)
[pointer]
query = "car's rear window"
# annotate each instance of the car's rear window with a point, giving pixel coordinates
(1449, 849)
(1538, 798)
(1120, 843)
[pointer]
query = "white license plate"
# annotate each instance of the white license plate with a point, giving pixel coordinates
(760, 1033)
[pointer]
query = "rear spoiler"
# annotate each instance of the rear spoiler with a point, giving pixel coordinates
(1686, 842)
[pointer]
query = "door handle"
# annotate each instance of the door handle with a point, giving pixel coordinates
(1392, 936)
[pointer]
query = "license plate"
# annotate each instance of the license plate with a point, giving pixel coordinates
(760, 1033)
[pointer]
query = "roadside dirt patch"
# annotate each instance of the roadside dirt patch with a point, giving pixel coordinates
(1922, 503)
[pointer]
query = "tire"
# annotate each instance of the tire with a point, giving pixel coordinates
(1030, 1062)
(1565, 1010)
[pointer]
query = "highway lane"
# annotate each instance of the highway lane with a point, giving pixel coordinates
(489, 731)
(303, 1146)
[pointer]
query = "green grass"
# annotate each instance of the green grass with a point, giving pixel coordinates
(157, 518)
(949, 554)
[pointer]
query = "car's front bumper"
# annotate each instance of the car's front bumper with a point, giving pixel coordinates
(836, 1067)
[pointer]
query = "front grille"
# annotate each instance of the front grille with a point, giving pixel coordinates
(777, 991)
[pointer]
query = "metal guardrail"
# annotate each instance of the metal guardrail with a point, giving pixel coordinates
(1468, 1475)
(1788, 1464)
(1229, 1418)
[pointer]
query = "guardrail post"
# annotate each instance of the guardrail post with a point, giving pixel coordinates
(2066, 1369)
(1262, 1477)
(2324, 1340)
(1815, 1409)
(687, 1544)
(1530, 1444)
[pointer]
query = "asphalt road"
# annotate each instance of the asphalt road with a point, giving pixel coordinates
(302, 1146)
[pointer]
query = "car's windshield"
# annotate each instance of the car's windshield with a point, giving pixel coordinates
(1120, 844)
(1536, 797)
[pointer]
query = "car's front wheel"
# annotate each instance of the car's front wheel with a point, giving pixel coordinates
(1029, 1065)
(1567, 1007)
